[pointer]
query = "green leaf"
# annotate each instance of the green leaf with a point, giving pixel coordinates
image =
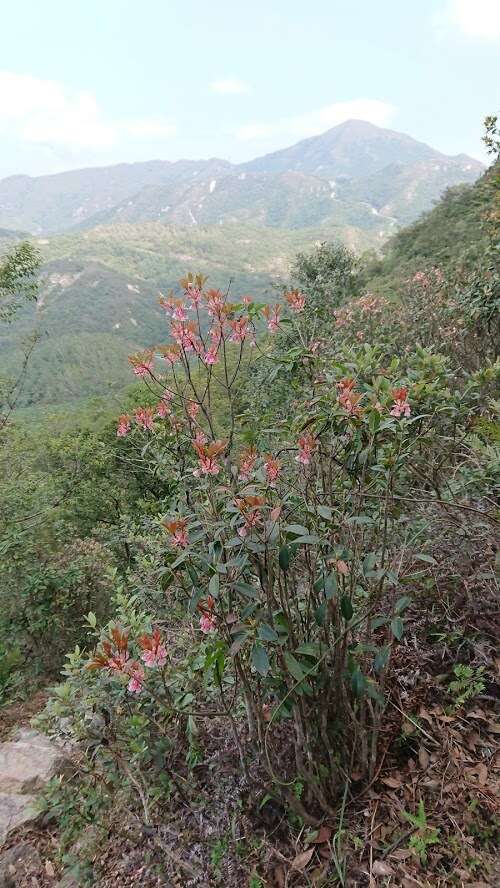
(373, 691)
(325, 512)
(397, 628)
(379, 621)
(246, 589)
(91, 619)
(381, 659)
(296, 529)
(260, 660)
(427, 558)
(320, 614)
(213, 586)
(401, 604)
(239, 641)
(193, 575)
(307, 539)
(309, 649)
(284, 558)
(193, 601)
(358, 682)
(267, 633)
(346, 607)
(293, 666)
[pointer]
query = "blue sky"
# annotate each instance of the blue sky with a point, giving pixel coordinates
(90, 82)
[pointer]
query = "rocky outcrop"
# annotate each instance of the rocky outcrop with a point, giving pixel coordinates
(27, 763)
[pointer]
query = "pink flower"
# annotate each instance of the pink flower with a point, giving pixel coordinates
(194, 293)
(247, 462)
(193, 408)
(154, 651)
(273, 468)
(123, 425)
(247, 300)
(401, 406)
(177, 529)
(136, 682)
(144, 418)
(207, 454)
(118, 662)
(215, 304)
(249, 507)
(240, 329)
(296, 301)
(171, 353)
(180, 312)
(185, 334)
(421, 278)
(210, 356)
(200, 437)
(142, 364)
(307, 445)
(207, 623)
(155, 658)
(163, 409)
(272, 315)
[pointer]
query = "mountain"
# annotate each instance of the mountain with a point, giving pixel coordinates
(98, 295)
(353, 149)
(111, 238)
(343, 177)
(45, 204)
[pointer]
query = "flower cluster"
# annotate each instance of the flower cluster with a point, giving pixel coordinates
(116, 658)
(177, 528)
(249, 507)
(401, 406)
(207, 455)
(348, 398)
(307, 446)
(124, 425)
(207, 620)
(142, 364)
(296, 300)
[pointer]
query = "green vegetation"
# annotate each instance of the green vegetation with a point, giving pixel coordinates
(262, 572)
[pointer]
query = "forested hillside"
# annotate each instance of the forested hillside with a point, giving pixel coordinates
(267, 568)
(112, 239)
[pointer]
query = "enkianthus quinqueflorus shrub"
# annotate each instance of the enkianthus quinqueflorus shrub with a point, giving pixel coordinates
(288, 548)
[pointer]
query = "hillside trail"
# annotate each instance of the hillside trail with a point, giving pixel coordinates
(28, 760)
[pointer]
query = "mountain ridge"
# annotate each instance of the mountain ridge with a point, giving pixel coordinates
(170, 190)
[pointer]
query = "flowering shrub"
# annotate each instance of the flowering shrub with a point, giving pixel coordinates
(285, 552)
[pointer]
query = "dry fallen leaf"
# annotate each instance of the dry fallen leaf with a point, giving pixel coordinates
(302, 859)
(401, 854)
(49, 869)
(423, 757)
(380, 868)
(393, 782)
(324, 835)
(279, 876)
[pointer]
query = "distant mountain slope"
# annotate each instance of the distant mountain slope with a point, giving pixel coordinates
(285, 200)
(449, 236)
(99, 289)
(354, 149)
(46, 204)
(325, 180)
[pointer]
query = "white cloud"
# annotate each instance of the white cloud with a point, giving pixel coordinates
(148, 128)
(46, 112)
(312, 123)
(478, 19)
(230, 87)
